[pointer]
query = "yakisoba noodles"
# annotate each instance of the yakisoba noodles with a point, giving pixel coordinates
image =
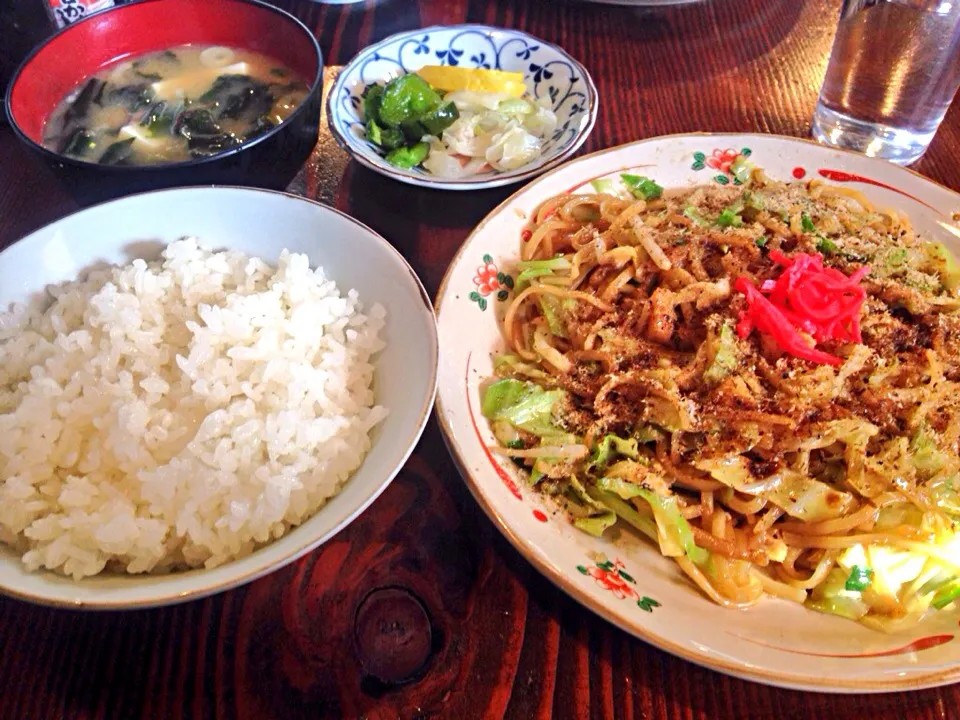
(764, 379)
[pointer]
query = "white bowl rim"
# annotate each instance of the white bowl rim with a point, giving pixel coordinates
(470, 182)
(169, 587)
(560, 579)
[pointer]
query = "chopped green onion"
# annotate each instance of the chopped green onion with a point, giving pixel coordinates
(642, 187)
(536, 474)
(741, 168)
(832, 597)
(728, 218)
(604, 185)
(753, 200)
(946, 595)
(694, 214)
(807, 224)
(825, 246)
(896, 257)
(515, 444)
(859, 580)
(760, 242)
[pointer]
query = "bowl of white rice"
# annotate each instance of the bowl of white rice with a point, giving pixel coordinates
(197, 387)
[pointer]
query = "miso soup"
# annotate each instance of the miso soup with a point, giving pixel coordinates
(187, 102)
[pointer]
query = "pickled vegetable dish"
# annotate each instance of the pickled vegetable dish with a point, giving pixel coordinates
(762, 378)
(456, 122)
(184, 103)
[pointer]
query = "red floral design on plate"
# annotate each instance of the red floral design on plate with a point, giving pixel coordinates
(731, 163)
(489, 280)
(722, 159)
(613, 576)
(486, 279)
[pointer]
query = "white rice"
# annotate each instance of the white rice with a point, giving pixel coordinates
(181, 412)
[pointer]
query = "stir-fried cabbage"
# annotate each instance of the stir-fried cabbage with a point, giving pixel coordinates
(524, 405)
(832, 596)
(511, 364)
(608, 447)
(926, 457)
(945, 264)
(799, 496)
(673, 530)
(591, 516)
(725, 355)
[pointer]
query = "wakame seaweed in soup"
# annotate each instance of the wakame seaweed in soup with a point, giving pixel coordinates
(187, 102)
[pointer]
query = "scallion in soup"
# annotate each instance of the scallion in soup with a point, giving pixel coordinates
(187, 102)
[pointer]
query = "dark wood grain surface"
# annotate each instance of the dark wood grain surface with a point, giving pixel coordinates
(446, 608)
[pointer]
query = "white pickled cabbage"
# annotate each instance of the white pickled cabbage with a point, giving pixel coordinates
(517, 107)
(541, 123)
(513, 149)
(493, 128)
(463, 138)
(441, 162)
(493, 121)
(469, 101)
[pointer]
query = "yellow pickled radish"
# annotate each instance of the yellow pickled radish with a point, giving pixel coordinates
(449, 78)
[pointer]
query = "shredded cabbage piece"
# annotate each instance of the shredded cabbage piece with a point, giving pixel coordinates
(493, 130)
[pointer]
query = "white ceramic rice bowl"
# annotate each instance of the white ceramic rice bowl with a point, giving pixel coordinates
(259, 223)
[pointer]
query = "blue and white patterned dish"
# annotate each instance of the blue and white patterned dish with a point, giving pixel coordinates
(549, 72)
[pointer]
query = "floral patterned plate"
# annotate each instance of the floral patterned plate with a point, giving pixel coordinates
(622, 577)
(549, 73)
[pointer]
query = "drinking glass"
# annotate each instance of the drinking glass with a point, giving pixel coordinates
(893, 71)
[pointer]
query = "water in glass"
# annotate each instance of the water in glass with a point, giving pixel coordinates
(893, 72)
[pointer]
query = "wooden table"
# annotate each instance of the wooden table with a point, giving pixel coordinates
(504, 641)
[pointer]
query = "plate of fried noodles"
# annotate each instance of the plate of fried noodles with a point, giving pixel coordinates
(709, 385)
